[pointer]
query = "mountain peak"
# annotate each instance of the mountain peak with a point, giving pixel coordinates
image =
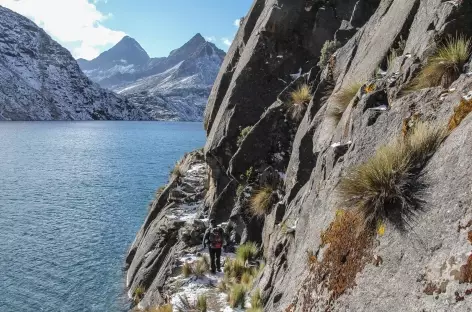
(126, 52)
(189, 47)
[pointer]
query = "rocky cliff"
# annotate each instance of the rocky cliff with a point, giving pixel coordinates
(366, 178)
(40, 80)
(167, 88)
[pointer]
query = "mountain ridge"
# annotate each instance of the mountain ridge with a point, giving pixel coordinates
(40, 80)
(175, 87)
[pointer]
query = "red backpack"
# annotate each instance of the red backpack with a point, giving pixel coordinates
(216, 241)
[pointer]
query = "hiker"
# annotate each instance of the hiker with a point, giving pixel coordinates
(214, 238)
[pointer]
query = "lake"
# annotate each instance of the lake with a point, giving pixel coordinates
(72, 197)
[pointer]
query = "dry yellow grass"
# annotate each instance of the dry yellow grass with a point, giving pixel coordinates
(342, 100)
(237, 296)
(383, 187)
(261, 200)
(301, 95)
(445, 65)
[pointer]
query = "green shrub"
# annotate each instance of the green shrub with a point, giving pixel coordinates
(243, 135)
(384, 187)
(237, 296)
(261, 200)
(138, 294)
(445, 65)
(328, 49)
(247, 251)
(342, 100)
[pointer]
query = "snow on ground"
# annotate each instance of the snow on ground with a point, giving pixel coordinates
(192, 286)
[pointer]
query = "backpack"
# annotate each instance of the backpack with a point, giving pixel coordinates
(216, 241)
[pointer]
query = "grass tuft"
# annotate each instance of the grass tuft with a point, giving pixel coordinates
(187, 269)
(237, 296)
(201, 267)
(234, 269)
(261, 200)
(201, 303)
(460, 112)
(246, 279)
(247, 251)
(256, 300)
(301, 95)
(342, 100)
(138, 294)
(299, 100)
(445, 65)
(384, 187)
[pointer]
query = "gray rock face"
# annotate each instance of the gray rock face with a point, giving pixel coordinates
(39, 79)
(425, 265)
(166, 88)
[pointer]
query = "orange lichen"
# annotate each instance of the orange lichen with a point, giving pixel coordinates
(348, 249)
(466, 271)
(460, 112)
(370, 88)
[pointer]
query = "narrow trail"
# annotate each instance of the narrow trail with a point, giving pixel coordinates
(187, 198)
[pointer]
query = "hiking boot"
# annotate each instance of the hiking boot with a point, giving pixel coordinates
(213, 272)
(219, 270)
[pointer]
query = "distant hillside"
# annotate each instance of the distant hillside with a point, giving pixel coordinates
(40, 80)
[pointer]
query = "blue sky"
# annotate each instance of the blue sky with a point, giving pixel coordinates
(88, 27)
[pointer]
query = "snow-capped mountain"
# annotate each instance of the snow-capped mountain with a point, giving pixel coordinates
(167, 88)
(40, 80)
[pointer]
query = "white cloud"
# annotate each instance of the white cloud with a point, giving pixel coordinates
(226, 41)
(70, 21)
(237, 22)
(210, 39)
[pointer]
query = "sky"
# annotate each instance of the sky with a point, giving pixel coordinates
(89, 27)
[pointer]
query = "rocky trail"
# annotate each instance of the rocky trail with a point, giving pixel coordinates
(183, 214)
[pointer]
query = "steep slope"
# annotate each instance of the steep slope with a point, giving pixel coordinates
(369, 205)
(169, 88)
(40, 80)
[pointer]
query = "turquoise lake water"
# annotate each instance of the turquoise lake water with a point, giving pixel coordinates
(72, 197)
